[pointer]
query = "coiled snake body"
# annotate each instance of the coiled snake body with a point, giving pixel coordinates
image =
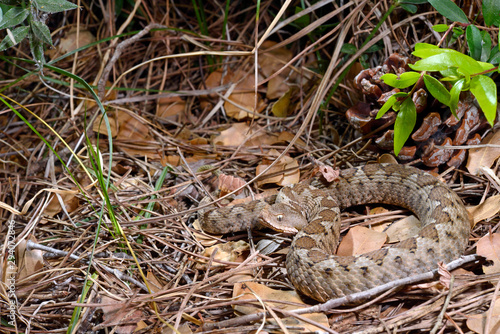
(310, 263)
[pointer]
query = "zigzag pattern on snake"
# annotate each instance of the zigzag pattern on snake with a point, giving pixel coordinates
(310, 263)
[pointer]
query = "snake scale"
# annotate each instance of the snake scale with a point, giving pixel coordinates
(310, 263)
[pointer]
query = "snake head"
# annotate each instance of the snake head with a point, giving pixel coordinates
(282, 218)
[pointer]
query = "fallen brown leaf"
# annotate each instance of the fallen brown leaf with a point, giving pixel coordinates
(280, 107)
(329, 173)
(489, 208)
(70, 42)
(252, 290)
(489, 247)
(228, 183)
(71, 202)
(176, 160)
(153, 282)
(387, 158)
(213, 80)
(445, 276)
(360, 240)
(183, 329)
(118, 313)
(132, 135)
(131, 128)
(239, 133)
(272, 61)
(403, 229)
(276, 87)
(287, 137)
(484, 156)
(99, 126)
(233, 136)
(170, 108)
(477, 322)
(243, 96)
(227, 252)
(282, 177)
(29, 261)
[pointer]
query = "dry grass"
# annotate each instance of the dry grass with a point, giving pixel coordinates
(167, 249)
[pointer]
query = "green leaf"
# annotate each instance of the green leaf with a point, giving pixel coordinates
(364, 60)
(41, 31)
(450, 74)
(423, 46)
(437, 89)
(466, 78)
(386, 107)
(458, 31)
(485, 91)
(424, 52)
(396, 106)
(405, 122)
(491, 12)
(404, 80)
(348, 48)
(375, 47)
(486, 66)
(486, 49)
(302, 21)
(434, 63)
(389, 103)
(36, 47)
(455, 95)
(18, 34)
(474, 41)
(445, 60)
(450, 78)
(54, 6)
(429, 52)
(449, 10)
(13, 17)
(10, 2)
(440, 27)
(494, 56)
(409, 8)
(414, 2)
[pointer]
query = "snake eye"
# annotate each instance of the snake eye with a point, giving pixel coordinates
(279, 217)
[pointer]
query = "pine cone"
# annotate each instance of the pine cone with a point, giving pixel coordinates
(430, 131)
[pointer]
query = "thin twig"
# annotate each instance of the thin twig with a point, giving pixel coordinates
(119, 50)
(31, 245)
(440, 317)
(360, 296)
